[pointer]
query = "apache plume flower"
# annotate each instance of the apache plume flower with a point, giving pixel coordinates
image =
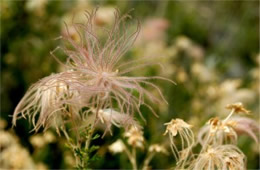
(220, 157)
(175, 127)
(93, 78)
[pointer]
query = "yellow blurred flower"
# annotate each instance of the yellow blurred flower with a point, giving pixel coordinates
(135, 137)
(158, 148)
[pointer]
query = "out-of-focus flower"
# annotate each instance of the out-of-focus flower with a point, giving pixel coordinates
(157, 148)
(220, 157)
(13, 155)
(230, 91)
(196, 52)
(110, 116)
(202, 72)
(191, 49)
(37, 141)
(38, 7)
(229, 86)
(3, 123)
(153, 30)
(105, 15)
(183, 43)
(117, 147)
(16, 157)
(182, 76)
(7, 139)
(40, 140)
(238, 107)
(135, 137)
(49, 137)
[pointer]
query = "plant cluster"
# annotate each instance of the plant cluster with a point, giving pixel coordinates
(100, 106)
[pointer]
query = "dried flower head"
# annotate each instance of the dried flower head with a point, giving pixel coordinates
(220, 157)
(175, 127)
(225, 126)
(238, 107)
(217, 132)
(117, 147)
(135, 137)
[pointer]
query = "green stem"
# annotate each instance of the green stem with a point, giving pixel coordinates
(147, 161)
(131, 157)
(230, 114)
(134, 159)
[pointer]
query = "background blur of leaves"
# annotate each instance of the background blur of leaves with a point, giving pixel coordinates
(211, 49)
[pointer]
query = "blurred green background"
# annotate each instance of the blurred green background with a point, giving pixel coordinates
(209, 48)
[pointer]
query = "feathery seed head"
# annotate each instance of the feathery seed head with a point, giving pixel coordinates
(220, 157)
(93, 77)
(50, 98)
(98, 61)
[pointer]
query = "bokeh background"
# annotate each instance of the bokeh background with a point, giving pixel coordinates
(209, 48)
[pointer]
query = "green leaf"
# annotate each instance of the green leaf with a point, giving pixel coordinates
(95, 137)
